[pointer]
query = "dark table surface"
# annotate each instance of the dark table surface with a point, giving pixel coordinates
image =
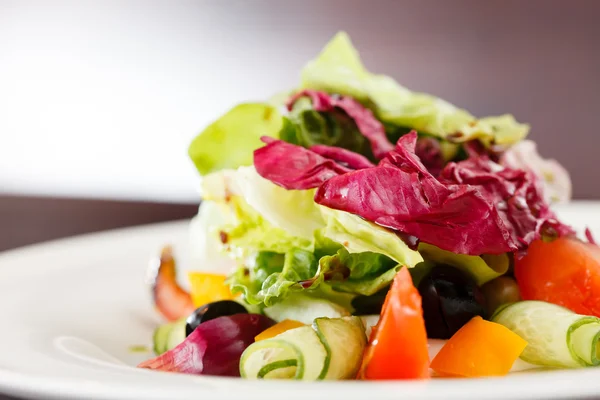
(27, 220)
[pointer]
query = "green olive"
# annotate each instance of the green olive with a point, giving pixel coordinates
(500, 291)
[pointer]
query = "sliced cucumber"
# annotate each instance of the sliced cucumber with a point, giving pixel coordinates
(329, 349)
(345, 341)
(168, 336)
(556, 337)
(160, 338)
(177, 334)
(305, 309)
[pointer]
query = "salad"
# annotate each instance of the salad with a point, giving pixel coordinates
(351, 228)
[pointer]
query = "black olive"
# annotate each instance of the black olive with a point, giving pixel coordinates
(450, 299)
(211, 311)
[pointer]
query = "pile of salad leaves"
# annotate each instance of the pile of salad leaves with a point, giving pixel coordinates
(331, 192)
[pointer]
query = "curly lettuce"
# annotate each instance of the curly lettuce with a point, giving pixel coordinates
(358, 235)
(339, 69)
(229, 141)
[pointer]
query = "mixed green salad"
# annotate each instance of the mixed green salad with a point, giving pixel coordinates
(351, 228)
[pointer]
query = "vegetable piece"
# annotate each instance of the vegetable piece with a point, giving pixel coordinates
(480, 348)
(171, 301)
(278, 328)
(359, 236)
(502, 290)
(358, 273)
(556, 336)
(308, 128)
(481, 269)
(177, 334)
(263, 216)
(450, 300)
(342, 156)
(211, 311)
(473, 208)
(305, 309)
(214, 348)
(329, 349)
(367, 124)
(554, 177)
(275, 276)
(398, 344)
(160, 338)
(207, 288)
(293, 211)
(339, 69)
(205, 246)
(293, 167)
(565, 271)
(229, 141)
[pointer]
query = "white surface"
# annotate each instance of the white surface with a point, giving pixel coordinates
(71, 309)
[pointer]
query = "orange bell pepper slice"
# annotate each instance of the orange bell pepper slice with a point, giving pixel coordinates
(397, 347)
(207, 288)
(278, 328)
(480, 348)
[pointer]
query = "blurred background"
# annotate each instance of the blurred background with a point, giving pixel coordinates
(100, 99)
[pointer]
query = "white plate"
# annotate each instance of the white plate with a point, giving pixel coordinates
(70, 310)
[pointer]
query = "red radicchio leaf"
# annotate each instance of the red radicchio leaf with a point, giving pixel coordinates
(476, 207)
(429, 152)
(214, 348)
(294, 167)
(343, 156)
(366, 122)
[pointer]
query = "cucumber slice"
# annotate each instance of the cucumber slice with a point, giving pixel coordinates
(168, 336)
(176, 335)
(345, 341)
(305, 309)
(270, 359)
(329, 349)
(160, 338)
(556, 337)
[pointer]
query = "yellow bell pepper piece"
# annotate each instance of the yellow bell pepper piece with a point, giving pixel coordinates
(207, 287)
(276, 329)
(480, 348)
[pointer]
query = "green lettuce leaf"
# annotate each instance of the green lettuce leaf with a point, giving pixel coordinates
(229, 141)
(266, 216)
(307, 127)
(339, 69)
(274, 276)
(482, 269)
(358, 236)
(357, 273)
(254, 233)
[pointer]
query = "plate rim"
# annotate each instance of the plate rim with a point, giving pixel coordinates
(581, 383)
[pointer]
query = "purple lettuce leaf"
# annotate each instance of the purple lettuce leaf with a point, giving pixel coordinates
(342, 156)
(296, 168)
(214, 348)
(475, 207)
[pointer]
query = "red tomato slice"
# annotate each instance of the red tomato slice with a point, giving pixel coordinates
(397, 347)
(565, 271)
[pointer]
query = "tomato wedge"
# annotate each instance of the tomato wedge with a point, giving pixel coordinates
(397, 347)
(565, 271)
